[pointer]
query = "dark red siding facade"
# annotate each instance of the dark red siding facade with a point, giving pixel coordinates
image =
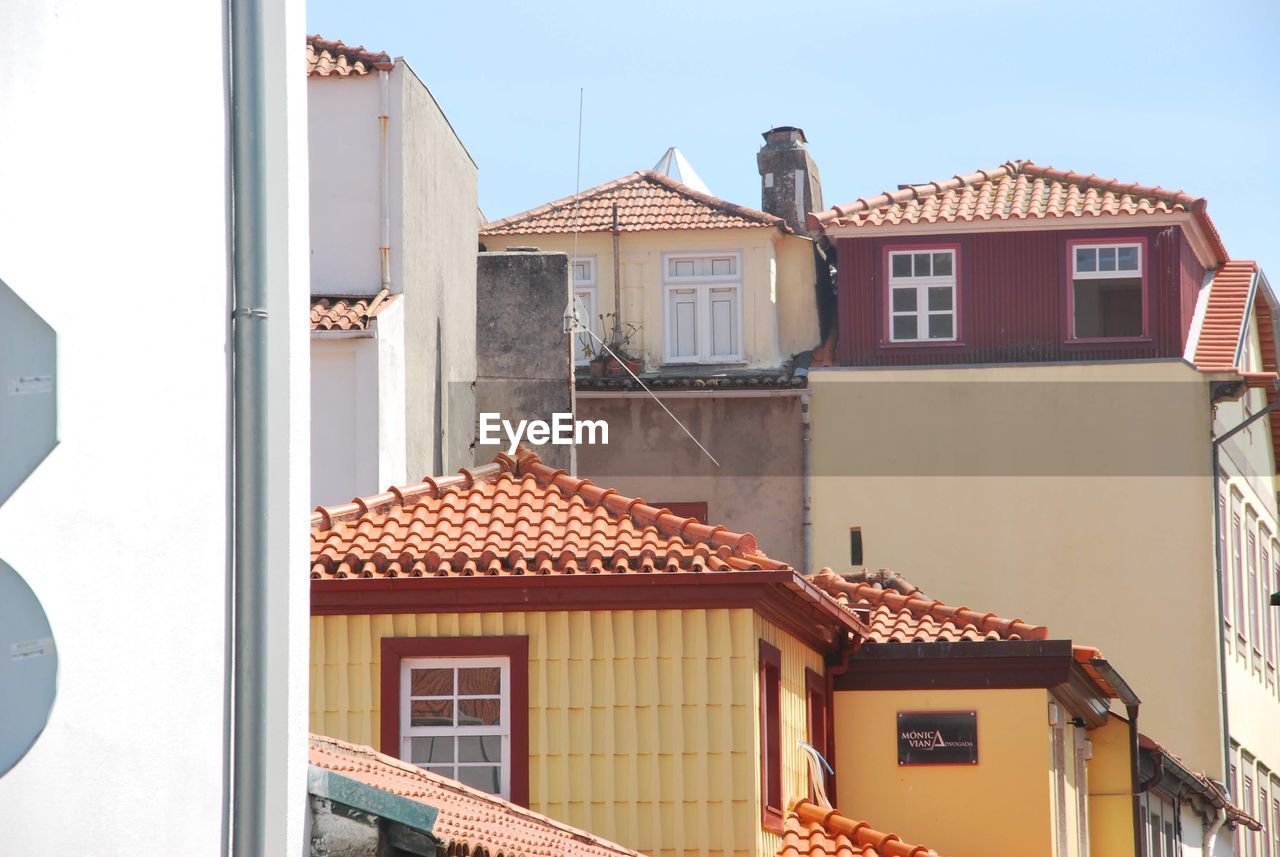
(1013, 298)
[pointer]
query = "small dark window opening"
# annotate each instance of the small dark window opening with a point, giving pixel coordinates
(771, 736)
(855, 545)
(696, 509)
(819, 731)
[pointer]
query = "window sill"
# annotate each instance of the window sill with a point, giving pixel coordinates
(771, 820)
(1109, 340)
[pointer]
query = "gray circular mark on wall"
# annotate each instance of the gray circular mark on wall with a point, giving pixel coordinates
(28, 668)
(28, 390)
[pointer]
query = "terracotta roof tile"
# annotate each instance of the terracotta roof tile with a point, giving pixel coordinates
(1206, 787)
(334, 59)
(517, 516)
(1224, 317)
(646, 201)
(466, 816)
(898, 612)
(811, 831)
(1015, 190)
(354, 312)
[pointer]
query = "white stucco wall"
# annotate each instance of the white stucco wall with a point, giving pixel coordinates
(115, 231)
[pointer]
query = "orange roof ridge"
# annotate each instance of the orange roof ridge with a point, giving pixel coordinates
(898, 616)
(347, 312)
(637, 213)
(813, 831)
(465, 814)
(327, 58)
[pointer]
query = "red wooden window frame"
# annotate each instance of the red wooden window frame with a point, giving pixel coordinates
(1237, 568)
(696, 509)
(771, 737)
(1070, 274)
(819, 710)
(514, 648)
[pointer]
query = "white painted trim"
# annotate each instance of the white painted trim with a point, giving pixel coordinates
(702, 286)
(1195, 234)
(1197, 320)
(1242, 335)
(366, 333)
(921, 286)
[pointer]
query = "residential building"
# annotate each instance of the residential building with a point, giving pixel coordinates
(714, 305)
(363, 802)
(393, 215)
(118, 194)
(640, 674)
(1038, 368)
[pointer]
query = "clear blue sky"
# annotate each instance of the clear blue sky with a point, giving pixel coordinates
(1181, 94)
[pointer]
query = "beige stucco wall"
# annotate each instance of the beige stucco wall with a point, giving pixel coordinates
(1076, 496)
(779, 310)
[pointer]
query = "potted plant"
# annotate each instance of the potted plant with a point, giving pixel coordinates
(620, 361)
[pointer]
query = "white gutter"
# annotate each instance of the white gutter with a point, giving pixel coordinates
(384, 176)
(366, 333)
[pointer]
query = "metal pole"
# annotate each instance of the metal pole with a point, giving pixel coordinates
(249, 121)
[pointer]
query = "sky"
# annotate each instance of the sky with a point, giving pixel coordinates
(1185, 95)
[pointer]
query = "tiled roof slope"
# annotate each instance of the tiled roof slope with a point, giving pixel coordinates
(517, 516)
(334, 59)
(646, 201)
(1224, 317)
(354, 312)
(467, 817)
(811, 831)
(1205, 787)
(898, 612)
(1015, 190)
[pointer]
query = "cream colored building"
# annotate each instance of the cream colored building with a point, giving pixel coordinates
(717, 304)
(1029, 423)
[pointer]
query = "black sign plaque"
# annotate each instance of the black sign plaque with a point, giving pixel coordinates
(937, 738)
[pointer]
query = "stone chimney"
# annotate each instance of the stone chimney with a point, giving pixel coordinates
(790, 186)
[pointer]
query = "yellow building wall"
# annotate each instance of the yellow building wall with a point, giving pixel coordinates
(1001, 806)
(1076, 496)
(779, 306)
(1111, 790)
(643, 725)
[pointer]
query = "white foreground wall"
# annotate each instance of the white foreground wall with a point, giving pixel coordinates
(113, 168)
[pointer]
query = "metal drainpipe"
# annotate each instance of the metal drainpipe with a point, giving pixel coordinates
(806, 483)
(617, 283)
(1135, 769)
(1217, 563)
(384, 178)
(249, 427)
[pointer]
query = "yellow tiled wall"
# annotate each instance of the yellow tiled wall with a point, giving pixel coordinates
(643, 725)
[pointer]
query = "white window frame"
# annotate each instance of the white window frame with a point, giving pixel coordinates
(1113, 274)
(702, 285)
(408, 731)
(585, 290)
(921, 285)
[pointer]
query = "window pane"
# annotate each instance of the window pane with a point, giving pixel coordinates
(431, 712)
(684, 340)
(423, 751)
(582, 271)
(904, 327)
(1086, 259)
(904, 300)
(479, 712)
(482, 681)
(942, 264)
(1106, 258)
(900, 264)
(940, 327)
(486, 778)
(1127, 258)
(721, 267)
(939, 297)
(431, 682)
(682, 268)
(922, 266)
(480, 748)
(1108, 308)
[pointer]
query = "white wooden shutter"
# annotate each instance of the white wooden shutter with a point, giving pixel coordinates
(682, 315)
(724, 322)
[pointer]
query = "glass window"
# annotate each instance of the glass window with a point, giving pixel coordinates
(922, 296)
(704, 309)
(771, 734)
(1107, 292)
(584, 308)
(456, 719)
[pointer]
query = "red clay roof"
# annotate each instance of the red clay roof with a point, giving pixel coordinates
(354, 312)
(646, 201)
(811, 831)
(466, 816)
(1223, 324)
(1016, 190)
(334, 59)
(898, 612)
(1208, 789)
(512, 517)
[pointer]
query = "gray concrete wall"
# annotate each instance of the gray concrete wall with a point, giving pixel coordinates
(524, 361)
(434, 220)
(758, 487)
